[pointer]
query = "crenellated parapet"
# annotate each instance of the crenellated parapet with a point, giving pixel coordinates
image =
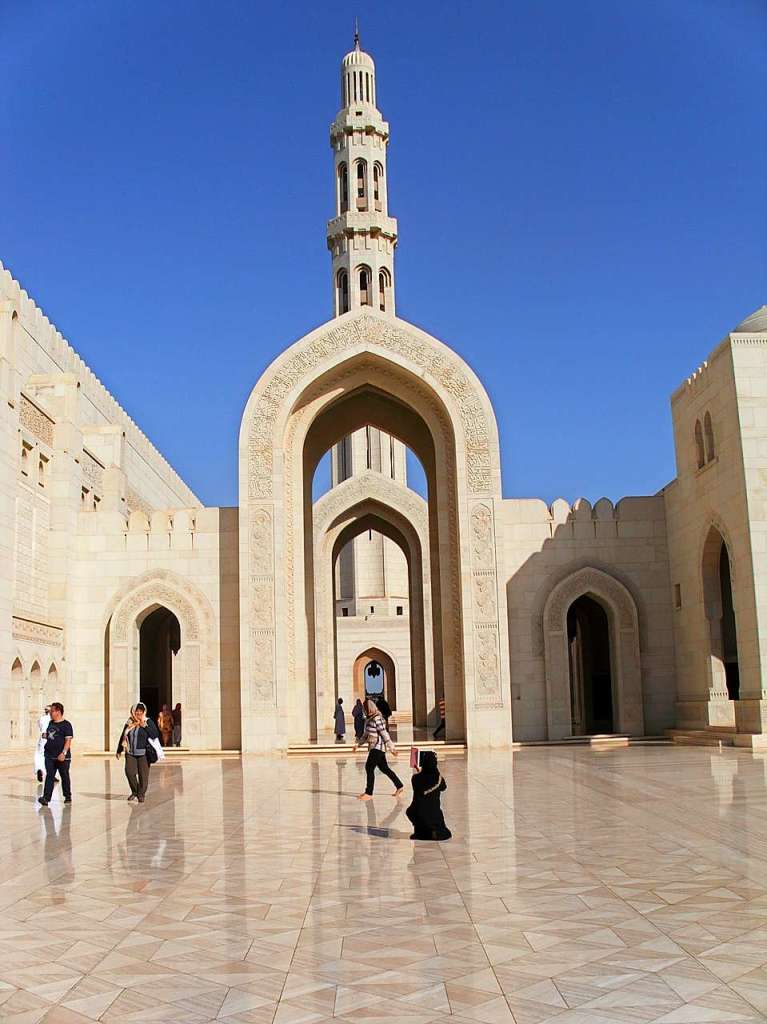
(34, 321)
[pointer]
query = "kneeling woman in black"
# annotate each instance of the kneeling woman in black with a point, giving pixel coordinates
(425, 811)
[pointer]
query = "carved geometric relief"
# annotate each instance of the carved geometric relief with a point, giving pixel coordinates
(36, 421)
(582, 582)
(262, 650)
(37, 632)
(485, 607)
(439, 363)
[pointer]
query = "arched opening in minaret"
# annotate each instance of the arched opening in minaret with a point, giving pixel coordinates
(342, 292)
(361, 186)
(342, 204)
(378, 185)
(365, 283)
(384, 290)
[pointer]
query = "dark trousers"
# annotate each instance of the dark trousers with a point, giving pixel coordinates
(51, 767)
(377, 759)
(440, 728)
(137, 774)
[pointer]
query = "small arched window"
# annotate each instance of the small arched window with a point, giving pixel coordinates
(708, 430)
(366, 299)
(17, 671)
(53, 677)
(362, 185)
(384, 282)
(342, 292)
(377, 185)
(343, 188)
(700, 454)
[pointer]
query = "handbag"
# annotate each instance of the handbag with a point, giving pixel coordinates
(156, 747)
(151, 752)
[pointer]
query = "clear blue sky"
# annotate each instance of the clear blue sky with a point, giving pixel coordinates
(580, 190)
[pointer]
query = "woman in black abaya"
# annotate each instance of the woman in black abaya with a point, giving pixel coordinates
(425, 811)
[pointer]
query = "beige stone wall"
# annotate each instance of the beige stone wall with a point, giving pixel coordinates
(542, 547)
(185, 560)
(726, 493)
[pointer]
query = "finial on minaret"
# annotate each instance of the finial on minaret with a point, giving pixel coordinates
(356, 33)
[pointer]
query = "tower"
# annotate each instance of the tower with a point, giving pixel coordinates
(371, 574)
(362, 236)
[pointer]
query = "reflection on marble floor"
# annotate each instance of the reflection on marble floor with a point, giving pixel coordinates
(621, 886)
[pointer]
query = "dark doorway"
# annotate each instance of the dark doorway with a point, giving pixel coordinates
(729, 635)
(159, 641)
(591, 690)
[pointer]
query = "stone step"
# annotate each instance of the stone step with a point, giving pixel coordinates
(345, 749)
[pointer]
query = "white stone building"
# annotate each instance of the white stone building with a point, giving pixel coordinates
(534, 622)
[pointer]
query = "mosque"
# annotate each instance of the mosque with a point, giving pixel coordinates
(533, 622)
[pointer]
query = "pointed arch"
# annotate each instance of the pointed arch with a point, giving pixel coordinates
(623, 619)
(369, 369)
(700, 451)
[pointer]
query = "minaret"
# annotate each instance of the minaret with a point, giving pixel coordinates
(362, 235)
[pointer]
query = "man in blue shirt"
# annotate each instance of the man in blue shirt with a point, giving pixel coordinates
(58, 755)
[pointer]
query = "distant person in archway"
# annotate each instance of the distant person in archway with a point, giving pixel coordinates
(177, 726)
(425, 811)
(379, 743)
(135, 743)
(340, 721)
(358, 714)
(165, 725)
(441, 727)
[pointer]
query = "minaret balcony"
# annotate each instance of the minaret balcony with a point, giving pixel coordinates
(363, 118)
(357, 221)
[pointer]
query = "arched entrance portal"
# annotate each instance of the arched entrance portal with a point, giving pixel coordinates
(369, 369)
(720, 613)
(159, 644)
(375, 674)
(591, 690)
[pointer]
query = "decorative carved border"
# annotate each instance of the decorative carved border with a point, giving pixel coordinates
(487, 664)
(37, 632)
(36, 421)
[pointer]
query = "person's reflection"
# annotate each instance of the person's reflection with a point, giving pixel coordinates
(57, 845)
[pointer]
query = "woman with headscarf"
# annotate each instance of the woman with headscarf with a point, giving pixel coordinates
(165, 725)
(358, 714)
(379, 743)
(425, 811)
(134, 743)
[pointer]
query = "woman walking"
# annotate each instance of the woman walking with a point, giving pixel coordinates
(379, 742)
(425, 811)
(134, 743)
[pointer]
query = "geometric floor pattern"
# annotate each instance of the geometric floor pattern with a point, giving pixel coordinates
(581, 887)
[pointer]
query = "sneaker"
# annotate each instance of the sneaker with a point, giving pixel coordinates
(132, 797)
(41, 801)
(141, 799)
(39, 775)
(67, 799)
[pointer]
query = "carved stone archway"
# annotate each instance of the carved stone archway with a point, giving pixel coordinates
(195, 668)
(624, 650)
(418, 390)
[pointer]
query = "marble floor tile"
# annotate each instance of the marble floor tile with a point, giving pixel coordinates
(623, 886)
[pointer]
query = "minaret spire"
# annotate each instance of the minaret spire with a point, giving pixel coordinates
(361, 235)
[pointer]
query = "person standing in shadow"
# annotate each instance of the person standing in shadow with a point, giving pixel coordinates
(358, 714)
(425, 812)
(139, 753)
(340, 721)
(176, 725)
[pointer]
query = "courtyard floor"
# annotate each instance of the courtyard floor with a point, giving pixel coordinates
(627, 885)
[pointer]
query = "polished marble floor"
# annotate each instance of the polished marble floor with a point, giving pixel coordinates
(616, 887)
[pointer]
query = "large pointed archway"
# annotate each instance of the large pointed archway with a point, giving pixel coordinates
(365, 369)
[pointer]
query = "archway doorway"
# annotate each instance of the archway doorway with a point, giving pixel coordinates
(720, 612)
(591, 687)
(159, 643)
(375, 675)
